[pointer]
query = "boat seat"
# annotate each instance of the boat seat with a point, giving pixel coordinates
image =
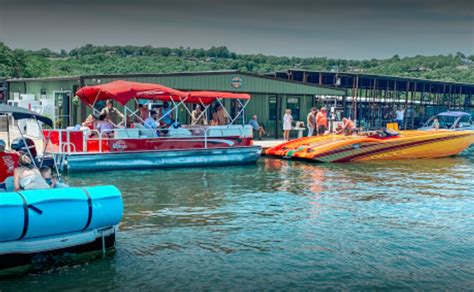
(179, 132)
(126, 133)
(144, 132)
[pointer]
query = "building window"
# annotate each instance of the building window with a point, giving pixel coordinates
(272, 108)
(293, 103)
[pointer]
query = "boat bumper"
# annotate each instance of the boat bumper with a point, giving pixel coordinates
(162, 159)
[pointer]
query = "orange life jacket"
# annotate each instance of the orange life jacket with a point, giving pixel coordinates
(321, 119)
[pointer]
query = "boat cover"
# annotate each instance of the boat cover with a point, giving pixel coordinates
(40, 213)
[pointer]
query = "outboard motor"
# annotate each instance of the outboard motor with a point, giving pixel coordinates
(19, 145)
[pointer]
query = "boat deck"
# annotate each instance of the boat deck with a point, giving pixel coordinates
(265, 144)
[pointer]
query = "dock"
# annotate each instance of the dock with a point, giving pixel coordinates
(265, 144)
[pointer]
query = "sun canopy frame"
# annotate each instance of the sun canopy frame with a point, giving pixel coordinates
(19, 113)
(123, 91)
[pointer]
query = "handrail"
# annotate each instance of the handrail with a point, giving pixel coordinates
(68, 146)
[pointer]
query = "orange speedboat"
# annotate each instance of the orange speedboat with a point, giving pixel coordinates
(378, 145)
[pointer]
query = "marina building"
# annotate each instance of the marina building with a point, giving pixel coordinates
(270, 96)
(370, 99)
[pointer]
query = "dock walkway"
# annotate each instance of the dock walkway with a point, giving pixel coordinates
(265, 144)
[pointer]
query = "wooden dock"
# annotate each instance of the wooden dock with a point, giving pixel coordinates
(265, 144)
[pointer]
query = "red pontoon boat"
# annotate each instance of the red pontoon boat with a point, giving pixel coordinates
(140, 147)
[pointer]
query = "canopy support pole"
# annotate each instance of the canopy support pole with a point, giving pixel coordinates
(225, 110)
(175, 106)
(240, 112)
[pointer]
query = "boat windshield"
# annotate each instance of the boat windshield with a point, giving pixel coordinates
(450, 122)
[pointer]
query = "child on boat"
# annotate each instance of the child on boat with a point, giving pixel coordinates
(53, 182)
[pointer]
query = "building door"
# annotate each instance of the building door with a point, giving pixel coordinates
(293, 104)
(62, 113)
(273, 116)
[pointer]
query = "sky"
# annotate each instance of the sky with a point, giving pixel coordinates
(358, 29)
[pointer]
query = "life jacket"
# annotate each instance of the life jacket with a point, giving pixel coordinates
(8, 163)
(321, 119)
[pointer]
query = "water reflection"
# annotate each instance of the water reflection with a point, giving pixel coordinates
(286, 225)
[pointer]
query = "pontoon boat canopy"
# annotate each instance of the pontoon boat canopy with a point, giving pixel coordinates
(124, 91)
(19, 113)
(208, 97)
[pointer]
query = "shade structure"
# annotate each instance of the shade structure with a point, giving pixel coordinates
(208, 97)
(123, 91)
(454, 114)
(19, 113)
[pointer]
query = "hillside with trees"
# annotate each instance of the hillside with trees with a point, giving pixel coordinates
(91, 59)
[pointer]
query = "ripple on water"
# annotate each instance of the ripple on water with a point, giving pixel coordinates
(286, 225)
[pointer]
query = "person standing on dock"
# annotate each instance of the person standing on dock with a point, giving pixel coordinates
(322, 121)
(400, 116)
(287, 120)
(311, 121)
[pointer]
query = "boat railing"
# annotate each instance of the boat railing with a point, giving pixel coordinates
(69, 141)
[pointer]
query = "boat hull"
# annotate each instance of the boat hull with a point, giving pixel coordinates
(28, 255)
(78, 162)
(409, 145)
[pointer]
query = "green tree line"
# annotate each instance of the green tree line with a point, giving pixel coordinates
(90, 59)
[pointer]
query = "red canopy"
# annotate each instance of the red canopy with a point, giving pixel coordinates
(208, 97)
(123, 91)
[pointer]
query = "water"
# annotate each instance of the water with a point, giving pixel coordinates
(285, 225)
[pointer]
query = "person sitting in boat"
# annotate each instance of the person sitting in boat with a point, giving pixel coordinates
(436, 124)
(256, 127)
(197, 116)
(53, 182)
(144, 113)
(150, 122)
(112, 112)
(220, 116)
(27, 176)
(8, 163)
(46, 173)
(166, 115)
(104, 126)
(89, 122)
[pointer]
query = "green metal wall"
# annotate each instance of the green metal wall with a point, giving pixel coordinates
(223, 82)
(260, 88)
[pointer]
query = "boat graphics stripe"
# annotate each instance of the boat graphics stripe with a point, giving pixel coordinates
(356, 153)
(89, 206)
(345, 148)
(26, 216)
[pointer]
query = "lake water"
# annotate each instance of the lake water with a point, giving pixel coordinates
(285, 225)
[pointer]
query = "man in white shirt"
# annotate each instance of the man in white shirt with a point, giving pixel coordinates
(400, 115)
(150, 122)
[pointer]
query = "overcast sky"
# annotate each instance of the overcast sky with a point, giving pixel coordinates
(306, 28)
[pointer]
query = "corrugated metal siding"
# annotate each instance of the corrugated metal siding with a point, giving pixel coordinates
(261, 88)
(223, 82)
